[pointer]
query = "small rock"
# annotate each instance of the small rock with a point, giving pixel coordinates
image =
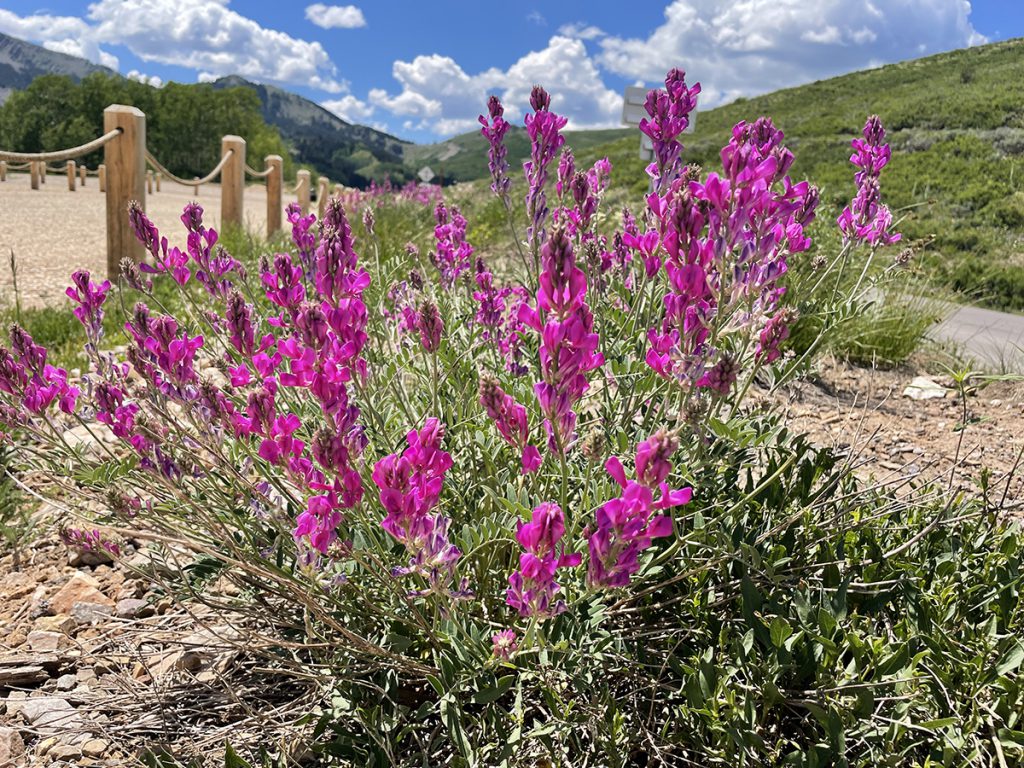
(131, 608)
(80, 588)
(41, 640)
(66, 682)
(50, 711)
(65, 752)
(94, 748)
(44, 746)
(11, 746)
(90, 613)
(60, 623)
(89, 557)
(923, 388)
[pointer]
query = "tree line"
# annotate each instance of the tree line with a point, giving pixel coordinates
(184, 123)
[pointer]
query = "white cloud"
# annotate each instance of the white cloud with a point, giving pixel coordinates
(536, 17)
(350, 108)
(443, 98)
(335, 16)
(581, 31)
(64, 34)
(205, 35)
(746, 47)
(153, 80)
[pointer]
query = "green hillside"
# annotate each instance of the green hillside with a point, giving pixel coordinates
(464, 157)
(956, 124)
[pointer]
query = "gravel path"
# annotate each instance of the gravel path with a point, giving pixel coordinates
(54, 231)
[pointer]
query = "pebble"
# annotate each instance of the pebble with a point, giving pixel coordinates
(40, 640)
(90, 613)
(94, 748)
(131, 608)
(67, 682)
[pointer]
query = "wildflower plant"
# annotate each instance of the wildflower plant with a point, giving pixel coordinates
(520, 509)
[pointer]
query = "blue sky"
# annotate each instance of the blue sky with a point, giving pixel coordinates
(423, 70)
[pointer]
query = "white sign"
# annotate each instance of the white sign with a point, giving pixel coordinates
(425, 174)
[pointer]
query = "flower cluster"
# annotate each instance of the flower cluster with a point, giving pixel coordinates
(867, 219)
(409, 488)
(33, 383)
(568, 348)
(88, 541)
(724, 244)
(89, 297)
(532, 589)
(494, 131)
(453, 253)
(386, 191)
(543, 127)
(669, 112)
(625, 526)
(510, 419)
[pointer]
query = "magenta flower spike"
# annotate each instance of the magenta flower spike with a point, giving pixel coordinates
(532, 589)
(626, 526)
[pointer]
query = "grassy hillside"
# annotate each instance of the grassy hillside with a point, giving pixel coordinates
(956, 123)
(464, 158)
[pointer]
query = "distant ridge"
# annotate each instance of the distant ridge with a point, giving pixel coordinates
(351, 154)
(21, 62)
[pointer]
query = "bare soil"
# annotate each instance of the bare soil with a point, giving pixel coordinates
(54, 231)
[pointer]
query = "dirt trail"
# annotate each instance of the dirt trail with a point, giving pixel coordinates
(54, 231)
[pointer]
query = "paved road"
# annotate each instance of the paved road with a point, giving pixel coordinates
(994, 340)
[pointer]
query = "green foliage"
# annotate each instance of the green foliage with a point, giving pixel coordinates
(184, 123)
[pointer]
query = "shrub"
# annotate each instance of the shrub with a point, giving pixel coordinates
(533, 521)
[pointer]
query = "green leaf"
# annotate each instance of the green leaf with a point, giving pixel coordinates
(1011, 660)
(489, 695)
(780, 630)
(232, 760)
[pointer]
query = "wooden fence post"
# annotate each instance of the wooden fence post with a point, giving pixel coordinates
(42, 172)
(232, 181)
(302, 190)
(71, 175)
(81, 174)
(195, 187)
(274, 183)
(338, 189)
(33, 171)
(159, 178)
(101, 175)
(322, 192)
(3, 170)
(149, 182)
(125, 156)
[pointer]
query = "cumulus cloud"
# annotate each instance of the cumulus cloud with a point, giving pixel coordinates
(205, 35)
(335, 16)
(350, 108)
(64, 34)
(440, 96)
(142, 77)
(581, 31)
(755, 46)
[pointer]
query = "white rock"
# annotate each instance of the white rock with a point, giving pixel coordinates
(923, 388)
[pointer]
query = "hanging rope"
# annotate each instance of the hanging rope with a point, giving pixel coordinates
(64, 154)
(189, 182)
(258, 174)
(20, 167)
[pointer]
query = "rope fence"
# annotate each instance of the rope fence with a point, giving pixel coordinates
(258, 174)
(64, 154)
(123, 177)
(190, 182)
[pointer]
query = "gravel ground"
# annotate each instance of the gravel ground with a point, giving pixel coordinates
(893, 438)
(54, 231)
